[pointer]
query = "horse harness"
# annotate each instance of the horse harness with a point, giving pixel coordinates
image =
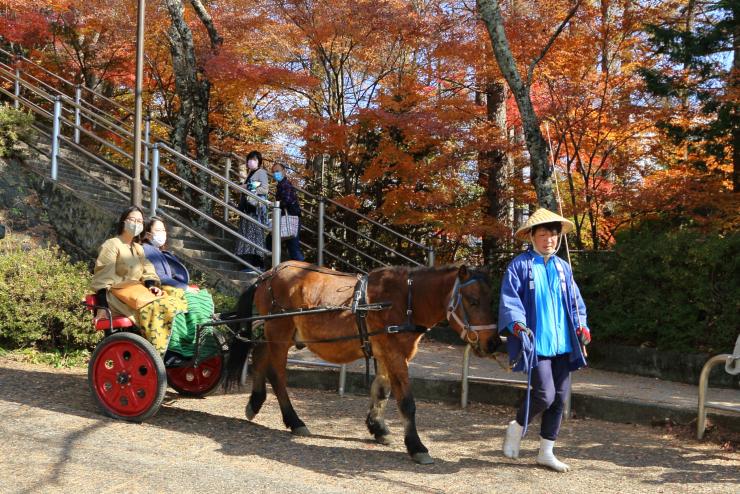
(360, 307)
(359, 299)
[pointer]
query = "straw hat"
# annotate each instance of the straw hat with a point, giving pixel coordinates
(540, 217)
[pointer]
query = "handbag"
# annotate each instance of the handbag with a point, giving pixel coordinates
(289, 226)
(133, 293)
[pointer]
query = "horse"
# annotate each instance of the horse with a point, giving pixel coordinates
(418, 299)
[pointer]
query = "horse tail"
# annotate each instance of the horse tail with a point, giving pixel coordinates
(239, 350)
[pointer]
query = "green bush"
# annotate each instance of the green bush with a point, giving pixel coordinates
(40, 295)
(15, 125)
(674, 289)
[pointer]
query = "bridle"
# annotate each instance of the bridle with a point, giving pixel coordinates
(456, 298)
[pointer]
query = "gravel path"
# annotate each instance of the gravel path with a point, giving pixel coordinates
(55, 440)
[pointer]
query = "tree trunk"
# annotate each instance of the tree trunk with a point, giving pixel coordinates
(492, 170)
(491, 13)
(193, 90)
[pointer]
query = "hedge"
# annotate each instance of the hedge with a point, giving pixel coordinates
(40, 299)
(674, 289)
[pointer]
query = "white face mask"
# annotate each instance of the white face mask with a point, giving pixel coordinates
(159, 239)
(133, 228)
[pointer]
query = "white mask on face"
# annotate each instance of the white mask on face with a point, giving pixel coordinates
(159, 239)
(133, 228)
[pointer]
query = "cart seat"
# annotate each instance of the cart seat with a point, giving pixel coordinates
(119, 322)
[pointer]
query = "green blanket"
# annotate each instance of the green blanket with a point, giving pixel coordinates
(182, 340)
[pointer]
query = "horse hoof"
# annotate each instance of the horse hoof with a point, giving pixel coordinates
(384, 440)
(422, 458)
(249, 413)
(301, 431)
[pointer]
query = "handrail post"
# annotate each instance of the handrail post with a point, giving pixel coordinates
(17, 100)
(342, 379)
(227, 175)
(147, 130)
(275, 233)
(155, 179)
(78, 120)
(320, 233)
(430, 257)
(465, 375)
(55, 136)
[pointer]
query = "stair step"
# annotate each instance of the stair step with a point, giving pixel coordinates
(219, 265)
(238, 276)
(214, 254)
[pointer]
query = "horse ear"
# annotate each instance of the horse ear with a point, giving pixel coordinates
(463, 272)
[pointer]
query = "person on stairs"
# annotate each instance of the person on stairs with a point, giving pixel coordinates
(290, 205)
(249, 228)
(541, 302)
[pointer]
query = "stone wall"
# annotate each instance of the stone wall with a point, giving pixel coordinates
(51, 213)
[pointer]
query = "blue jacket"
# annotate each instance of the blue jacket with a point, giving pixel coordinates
(170, 270)
(517, 304)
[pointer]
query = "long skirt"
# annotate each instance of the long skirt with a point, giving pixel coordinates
(252, 232)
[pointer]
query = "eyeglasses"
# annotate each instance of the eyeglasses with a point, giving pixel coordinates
(135, 220)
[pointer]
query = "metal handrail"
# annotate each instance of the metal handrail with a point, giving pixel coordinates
(213, 174)
(198, 234)
(701, 418)
(214, 198)
(389, 249)
(370, 220)
(119, 128)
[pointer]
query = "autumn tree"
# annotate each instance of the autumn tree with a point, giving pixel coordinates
(492, 16)
(698, 43)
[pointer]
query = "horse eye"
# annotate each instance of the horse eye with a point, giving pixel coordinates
(474, 302)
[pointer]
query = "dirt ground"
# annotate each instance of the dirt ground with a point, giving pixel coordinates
(55, 440)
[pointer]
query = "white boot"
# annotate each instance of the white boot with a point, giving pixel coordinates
(547, 458)
(512, 440)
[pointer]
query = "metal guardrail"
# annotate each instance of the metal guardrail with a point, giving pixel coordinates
(327, 230)
(466, 378)
(341, 386)
(701, 418)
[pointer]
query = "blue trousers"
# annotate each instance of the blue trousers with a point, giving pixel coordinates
(550, 384)
(294, 247)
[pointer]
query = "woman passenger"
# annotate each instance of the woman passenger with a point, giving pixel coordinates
(122, 259)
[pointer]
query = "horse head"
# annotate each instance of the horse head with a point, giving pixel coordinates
(470, 311)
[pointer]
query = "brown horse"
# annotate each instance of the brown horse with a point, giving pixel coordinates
(454, 293)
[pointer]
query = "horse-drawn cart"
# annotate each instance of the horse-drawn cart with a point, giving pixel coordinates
(340, 317)
(129, 378)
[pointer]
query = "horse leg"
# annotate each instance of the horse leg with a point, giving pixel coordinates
(259, 389)
(278, 380)
(399, 378)
(379, 398)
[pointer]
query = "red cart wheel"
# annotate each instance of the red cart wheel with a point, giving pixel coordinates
(197, 381)
(127, 377)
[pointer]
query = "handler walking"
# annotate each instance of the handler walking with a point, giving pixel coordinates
(542, 309)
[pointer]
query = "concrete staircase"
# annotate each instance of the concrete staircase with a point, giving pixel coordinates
(86, 183)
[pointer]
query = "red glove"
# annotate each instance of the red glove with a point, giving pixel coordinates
(520, 329)
(584, 335)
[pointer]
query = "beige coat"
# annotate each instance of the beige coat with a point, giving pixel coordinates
(117, 263)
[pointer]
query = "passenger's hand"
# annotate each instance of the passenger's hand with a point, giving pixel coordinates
(101, 314)
(520, 329)
(192, 288)
(156, 291)
(584, 335)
